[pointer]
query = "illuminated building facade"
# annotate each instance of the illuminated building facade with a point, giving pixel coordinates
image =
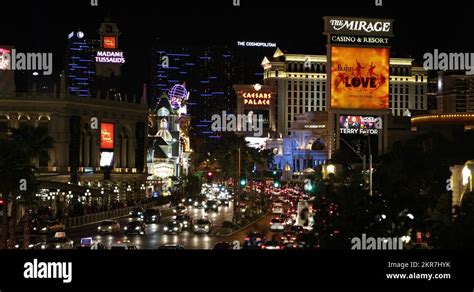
(209, 72)
(169, 150)
(80, 64)
(303, 89)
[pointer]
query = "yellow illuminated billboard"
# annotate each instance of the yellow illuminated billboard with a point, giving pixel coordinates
(359, 78)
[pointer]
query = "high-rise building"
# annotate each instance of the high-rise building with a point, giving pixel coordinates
(80, 64)
(209, 72)
(455, 93)
(302, 88)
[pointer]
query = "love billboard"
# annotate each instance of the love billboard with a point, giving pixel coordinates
(359, 78)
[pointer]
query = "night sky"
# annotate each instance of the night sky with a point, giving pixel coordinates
(296, 25)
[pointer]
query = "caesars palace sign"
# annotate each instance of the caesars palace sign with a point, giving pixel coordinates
(257, 98)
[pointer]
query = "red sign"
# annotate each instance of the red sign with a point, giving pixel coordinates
(109, 42)
(107, 136)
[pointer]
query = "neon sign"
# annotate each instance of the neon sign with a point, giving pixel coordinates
(115, 57)
(257, 98)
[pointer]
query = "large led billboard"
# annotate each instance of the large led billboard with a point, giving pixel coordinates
(359, 78)
(106, 159)
(109, 42)
(107, 136)
(7, 76)
(360, 125)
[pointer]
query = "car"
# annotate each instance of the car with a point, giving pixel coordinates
(203, 225)
(185, 220)
(224, 202)
(46, 227)
(272, 245)
(277, 224)
(289, 237)
(32, 242)
(135, 227)
(136, 213)
(223, 246)
(287, 219)
(254, 240)
(59, 241)
(293, 245)
(298, 229)
(173, 227)
(277, 210)
(108, 226)
(187, 201)
(199, 203)
(89, 244)
(212, 205)
(123, 245)
(180, 210)
(152, 216)
(171, 246)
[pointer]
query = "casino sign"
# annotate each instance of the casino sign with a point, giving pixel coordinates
(257, 98)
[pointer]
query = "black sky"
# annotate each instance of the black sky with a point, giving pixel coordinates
(296, 25)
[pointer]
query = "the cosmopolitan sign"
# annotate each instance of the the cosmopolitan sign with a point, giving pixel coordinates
(358, 26)
(256, 44)
(115, 57)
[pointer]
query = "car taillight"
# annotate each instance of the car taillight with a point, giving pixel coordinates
(247, 238)
(264, 246)
(258, 239)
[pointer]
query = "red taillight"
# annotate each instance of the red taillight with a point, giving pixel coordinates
(264, 246)
(258, 239)
(247, 238)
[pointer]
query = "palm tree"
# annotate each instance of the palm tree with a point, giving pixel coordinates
(35, 143)
(14, 166)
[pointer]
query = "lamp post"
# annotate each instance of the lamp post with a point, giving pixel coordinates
(364, 161)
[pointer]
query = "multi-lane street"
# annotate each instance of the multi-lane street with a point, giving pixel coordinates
(276, 226)
(155, 235)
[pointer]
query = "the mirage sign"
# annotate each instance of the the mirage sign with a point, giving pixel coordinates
(335, 25)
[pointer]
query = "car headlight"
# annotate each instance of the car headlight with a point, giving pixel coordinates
(34, 228)
(185, 222)
(175, 228)
(130, 213)
(110, 227)
(58, 246)
(174, 211)
(214, 206)
(98, 228)
(165, 229)
(43, 246)
(137, 228)
(44, 229)
(31, 246)
(195, 203)
(17, 246)
(206, 227)
(153, 217)
(125, 228)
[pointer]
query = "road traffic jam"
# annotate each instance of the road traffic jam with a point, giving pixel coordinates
(290, 213)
